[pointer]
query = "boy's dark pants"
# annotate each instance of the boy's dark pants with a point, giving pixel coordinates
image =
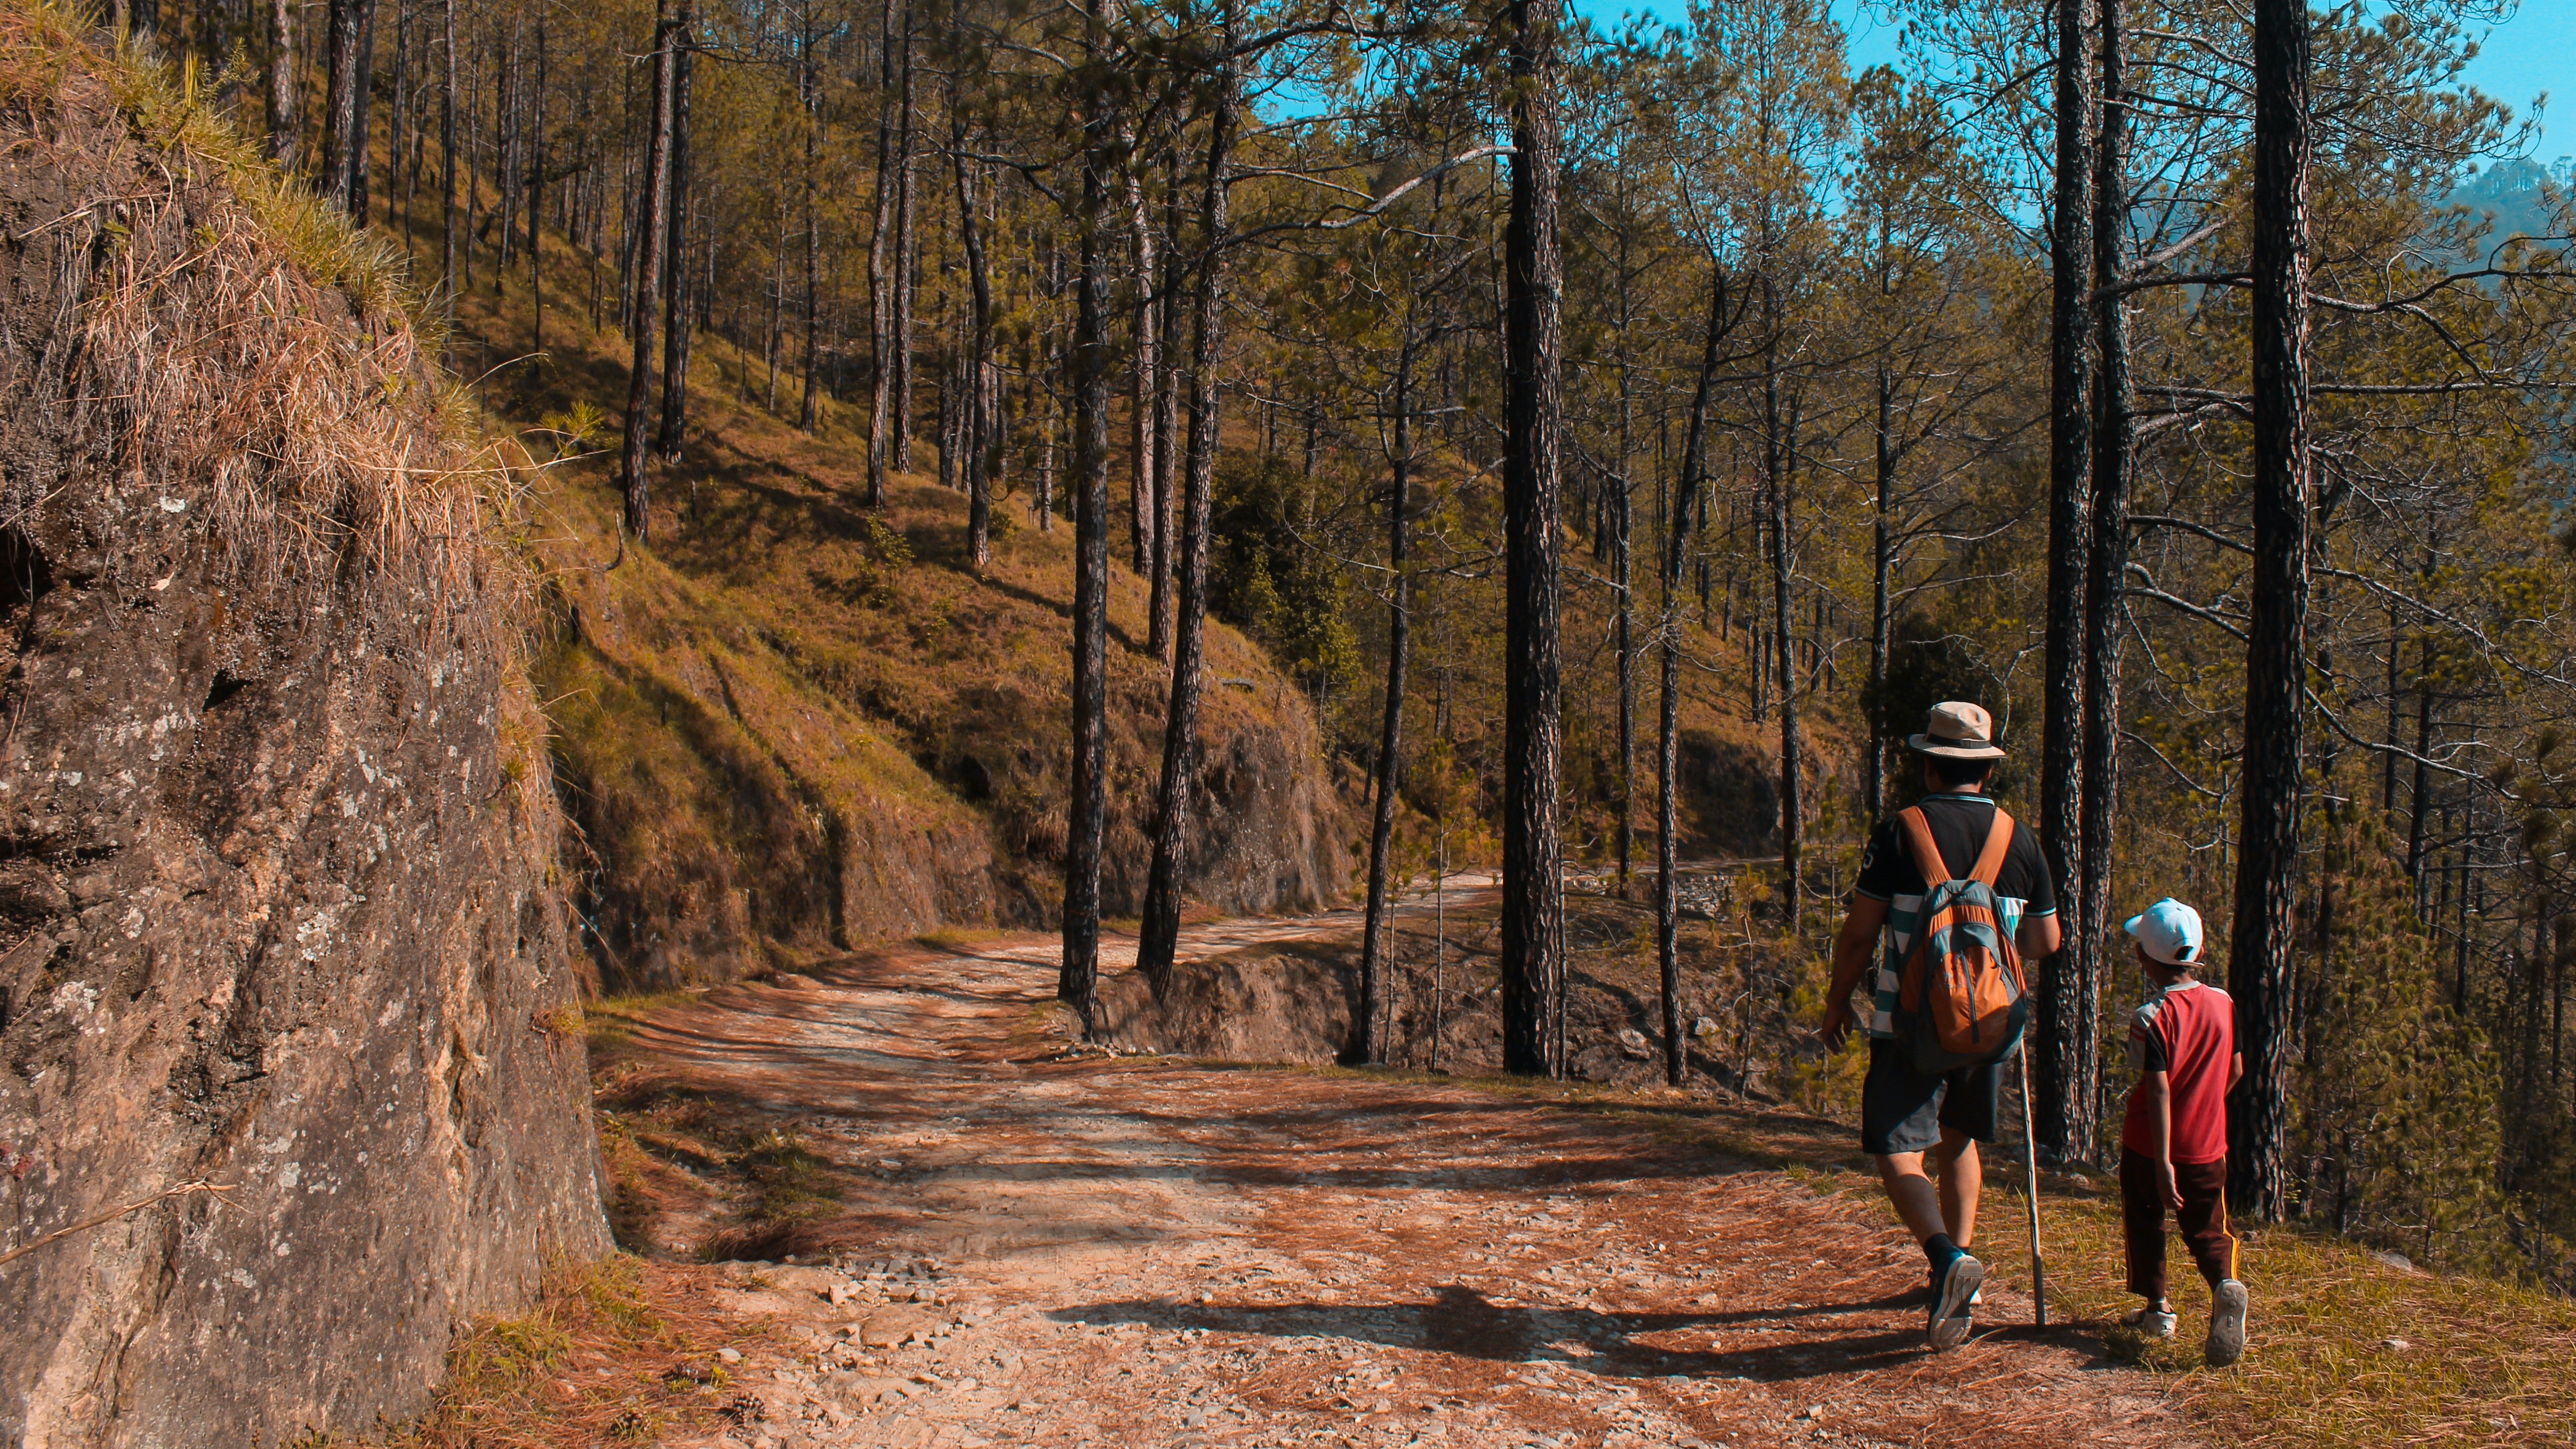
(2203, 1220)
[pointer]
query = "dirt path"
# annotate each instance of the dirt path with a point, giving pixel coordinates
(1141, 1252)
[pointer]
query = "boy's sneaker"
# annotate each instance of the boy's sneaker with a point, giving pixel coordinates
(1951, 1319)
(2226, 1324)
(2150, 1324)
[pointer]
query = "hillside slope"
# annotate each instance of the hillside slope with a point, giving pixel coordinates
(791, 725)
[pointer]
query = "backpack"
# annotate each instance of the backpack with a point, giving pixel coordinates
(1962, 1000)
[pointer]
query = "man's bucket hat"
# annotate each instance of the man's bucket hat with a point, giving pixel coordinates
(1957, 730)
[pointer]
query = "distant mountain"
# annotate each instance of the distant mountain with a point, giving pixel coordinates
(2519, 195)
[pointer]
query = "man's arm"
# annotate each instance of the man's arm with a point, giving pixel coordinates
(2038, 936)
(2235, 1070)
(1852, 951)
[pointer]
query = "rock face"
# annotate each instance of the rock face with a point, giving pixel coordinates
(275, 826)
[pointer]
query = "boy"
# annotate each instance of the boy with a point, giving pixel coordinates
(2173, 1146)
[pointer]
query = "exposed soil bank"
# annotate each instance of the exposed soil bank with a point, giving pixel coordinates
(275, 825)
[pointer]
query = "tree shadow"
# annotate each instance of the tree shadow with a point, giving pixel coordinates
(1460, 1320)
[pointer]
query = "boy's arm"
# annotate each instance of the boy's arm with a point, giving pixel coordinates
(1851, 957)
(2156, 1091)
(2235, 1070)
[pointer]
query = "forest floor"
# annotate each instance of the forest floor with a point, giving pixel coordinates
(1148, 1251)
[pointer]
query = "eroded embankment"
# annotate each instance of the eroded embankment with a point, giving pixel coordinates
(275, 824)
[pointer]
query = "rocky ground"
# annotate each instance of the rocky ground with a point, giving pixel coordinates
(1039, 1246)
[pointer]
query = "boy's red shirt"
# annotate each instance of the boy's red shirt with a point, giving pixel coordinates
(2188, 1032)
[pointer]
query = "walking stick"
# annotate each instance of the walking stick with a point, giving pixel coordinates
(2030, 1155)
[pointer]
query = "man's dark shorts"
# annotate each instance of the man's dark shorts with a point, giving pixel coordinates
(1903, 1110)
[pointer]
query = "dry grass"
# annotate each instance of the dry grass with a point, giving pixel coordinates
(617, 1351)
(250, 362)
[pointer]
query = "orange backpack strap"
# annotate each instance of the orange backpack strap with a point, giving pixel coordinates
(1990, 861)
(1920, 844)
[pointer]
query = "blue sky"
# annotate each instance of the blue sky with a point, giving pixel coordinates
(2531, 52)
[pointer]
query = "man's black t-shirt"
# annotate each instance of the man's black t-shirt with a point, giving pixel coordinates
(1959, 822)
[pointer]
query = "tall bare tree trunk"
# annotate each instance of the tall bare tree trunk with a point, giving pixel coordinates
(2064, 1090)
(1374, 995)
(809, 411)
(343, 112)
(976, 436)
(536, 158)
(1668, 694)
(1533, 918)
(1882, 568)
(906, 252)
(2258, 970)
(894, 53)
(1152, 552)
(668, 23)
(1078, 981)
(281, 83)
(1782, 459)
(447, 237)
(2103, 614)
(681, 321)
(1159, 934)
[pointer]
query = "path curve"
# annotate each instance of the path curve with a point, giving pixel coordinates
(1150, 1252)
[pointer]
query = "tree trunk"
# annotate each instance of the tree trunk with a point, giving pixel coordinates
(808, 411)
(1533, 915)
(363, 104)
(975, 437)
(1399, 626)
(681, 322)
(894, 56)
(2064, 1093)
(906, 253)
(1783, 460)
(536, 155)
(281, 83)
(1152, 551)
(1078, 983)
(1159, 934)
(348, 28)
(1668, 697)
(1882, 567)
(2275, 652)
(668, 23)
(2099, 796)
(447, 238)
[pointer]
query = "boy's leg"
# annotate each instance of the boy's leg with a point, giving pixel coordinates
(2203, 1219)
(2142, 1221)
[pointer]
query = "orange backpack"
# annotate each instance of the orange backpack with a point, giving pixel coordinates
(1961, 998)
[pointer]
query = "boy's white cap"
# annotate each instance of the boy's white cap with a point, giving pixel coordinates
(2170, 932)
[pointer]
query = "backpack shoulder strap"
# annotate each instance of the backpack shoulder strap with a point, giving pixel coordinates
(1990, 861)
(1920, 845)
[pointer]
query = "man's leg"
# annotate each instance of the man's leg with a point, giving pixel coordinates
(1950, 1208)
(1962, 1174)
(1917, 1202)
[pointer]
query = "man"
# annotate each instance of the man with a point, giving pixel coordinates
(1906, 1114)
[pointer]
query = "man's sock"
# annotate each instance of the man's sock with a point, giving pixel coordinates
(1942, 1252)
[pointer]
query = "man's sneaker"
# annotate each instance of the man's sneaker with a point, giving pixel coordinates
(2226, 1324)
(2150, 1324)
(1950, 1320)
